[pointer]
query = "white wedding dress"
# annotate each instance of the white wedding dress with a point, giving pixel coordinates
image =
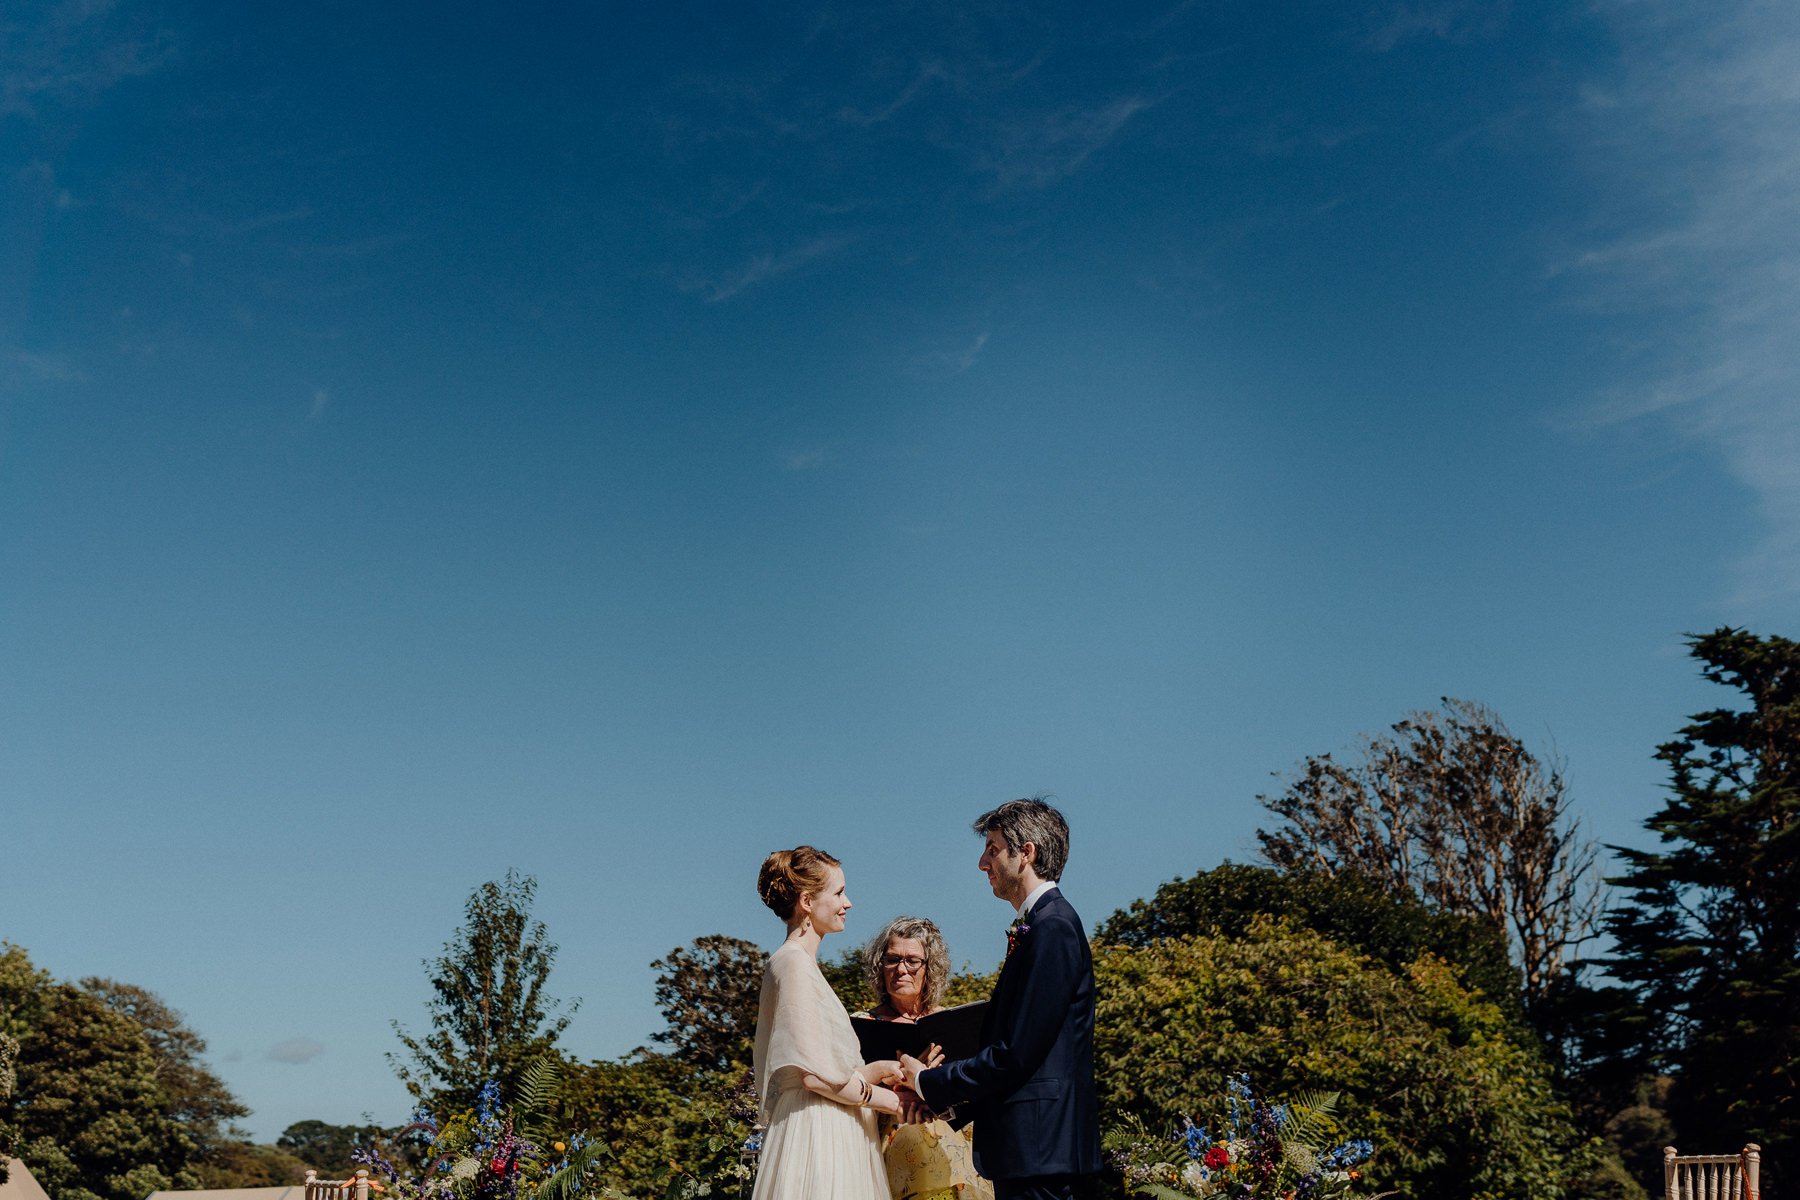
(813, 1148)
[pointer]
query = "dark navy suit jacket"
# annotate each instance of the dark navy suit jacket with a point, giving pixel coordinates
(1030, 1089)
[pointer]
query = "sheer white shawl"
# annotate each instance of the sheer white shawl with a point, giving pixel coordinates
(800, 1024)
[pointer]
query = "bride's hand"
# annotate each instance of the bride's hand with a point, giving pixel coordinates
(883, 1072)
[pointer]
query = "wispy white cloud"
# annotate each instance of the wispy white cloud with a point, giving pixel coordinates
(73, 54)
(1458, 21)
(321, 400)
(264, 221)
(955, 360)
(1701, 121)
(296, 1050)
(885, 112)
(44, 368)
(1041, 149)
(760, 268)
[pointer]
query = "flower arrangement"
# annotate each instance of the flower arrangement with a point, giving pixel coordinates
(494, 1153)
(1255, 1151)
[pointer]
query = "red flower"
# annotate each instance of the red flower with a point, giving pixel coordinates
(499, 1165)
(1217, 1157)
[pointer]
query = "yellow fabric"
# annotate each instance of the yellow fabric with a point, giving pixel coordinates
(932, 1162)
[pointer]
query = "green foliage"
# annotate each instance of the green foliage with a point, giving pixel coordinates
(575, 1176)
(196, 1097)
(1258, 1150)
(538, 1086)
(9, 1075)
(1709, 935)
(675, 1129)
(489, 1013)
(708, 993)
(87, 1105)
(1428, 1069)
(848, 979)
(500, 1151)
(328, 1149)
(967, 986)
(1348, 909)
(239, 1164)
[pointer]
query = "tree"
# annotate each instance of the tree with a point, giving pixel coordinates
(1453, 808)
(708, 992)
(94, 1122)
(242, 1164)
(672, 1126)
(1348, 909)
(90, 1079)
(489, 1015)
(1708, 936)
(9, 1075)
(328, 1149)
(1426, 1068)
(195, 1096)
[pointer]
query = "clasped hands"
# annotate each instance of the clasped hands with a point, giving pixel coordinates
(902, 1075)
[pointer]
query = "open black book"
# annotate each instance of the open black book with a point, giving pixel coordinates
(957, 1030)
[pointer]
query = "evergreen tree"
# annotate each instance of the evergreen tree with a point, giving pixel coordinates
(489, 1016)
(1709, 934)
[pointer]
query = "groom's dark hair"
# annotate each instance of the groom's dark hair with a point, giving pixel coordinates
(1021, 821)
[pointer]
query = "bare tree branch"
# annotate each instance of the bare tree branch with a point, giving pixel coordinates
(1451, 807)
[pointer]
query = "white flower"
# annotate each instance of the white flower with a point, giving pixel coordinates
(465, 1168)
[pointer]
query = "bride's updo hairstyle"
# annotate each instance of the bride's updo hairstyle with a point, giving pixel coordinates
(788, 875)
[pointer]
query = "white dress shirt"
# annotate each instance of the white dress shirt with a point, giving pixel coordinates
(1037, 893)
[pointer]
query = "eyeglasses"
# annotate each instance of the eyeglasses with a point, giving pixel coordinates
(913, 965)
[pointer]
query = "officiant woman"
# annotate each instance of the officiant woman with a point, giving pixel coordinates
(909, 967)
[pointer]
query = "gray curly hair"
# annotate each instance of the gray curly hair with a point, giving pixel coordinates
(937, 959)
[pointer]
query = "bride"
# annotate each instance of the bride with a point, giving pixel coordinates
(819, 1100)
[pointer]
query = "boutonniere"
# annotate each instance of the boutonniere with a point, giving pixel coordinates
(1018, 929)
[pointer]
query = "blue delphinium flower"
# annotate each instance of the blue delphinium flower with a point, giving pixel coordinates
(1193, 1139)
(369, 1156)
(1352, 1152)
(1241, 1102)
(488, 1103)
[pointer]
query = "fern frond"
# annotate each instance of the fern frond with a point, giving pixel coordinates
(567, 1183)
(1159, 1192)
(537, 1088)
(1309, 1117)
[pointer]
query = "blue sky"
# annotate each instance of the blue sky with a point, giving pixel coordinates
(616, 443)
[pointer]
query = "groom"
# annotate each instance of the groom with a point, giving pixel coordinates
(1030, 1089)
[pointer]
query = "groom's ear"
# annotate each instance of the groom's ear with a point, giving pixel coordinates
(1028, 852)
